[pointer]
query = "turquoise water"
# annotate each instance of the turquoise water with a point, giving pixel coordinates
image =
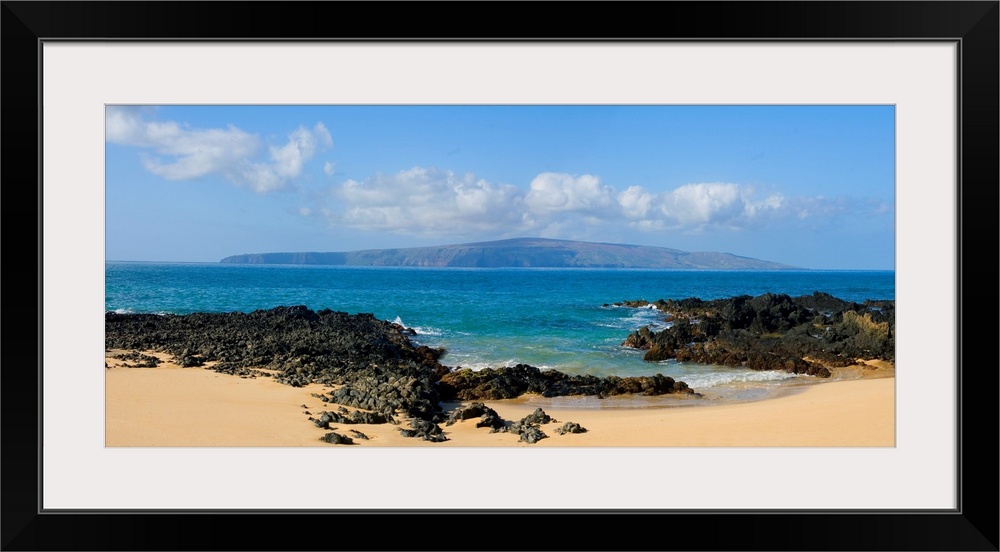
(549, 318)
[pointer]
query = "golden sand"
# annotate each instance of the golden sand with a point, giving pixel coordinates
(195, 407)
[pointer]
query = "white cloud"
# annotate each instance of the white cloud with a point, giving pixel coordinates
(697, 204)
(427, 201)
(695, 207)
(195, 153)
(881, 208)
(431, 202)
(123, 125)
(329, 168)
(636, 202)
(184, 153)
(287, 161)
(559, 192)
(819, 209)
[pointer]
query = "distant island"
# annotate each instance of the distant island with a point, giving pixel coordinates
(520, 252)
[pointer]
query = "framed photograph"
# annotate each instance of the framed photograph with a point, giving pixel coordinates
(91, 80)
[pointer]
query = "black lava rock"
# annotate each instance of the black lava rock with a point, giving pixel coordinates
(336, 439)
(571, 427)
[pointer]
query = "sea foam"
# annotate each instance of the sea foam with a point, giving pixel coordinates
(737, 376)
(421, 330)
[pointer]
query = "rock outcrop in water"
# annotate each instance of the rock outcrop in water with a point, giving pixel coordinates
(514, 381)
(372, 364)
(771, 332)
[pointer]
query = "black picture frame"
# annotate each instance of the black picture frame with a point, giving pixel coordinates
(973, 525)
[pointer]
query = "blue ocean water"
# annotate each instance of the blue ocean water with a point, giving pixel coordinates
(549, 318)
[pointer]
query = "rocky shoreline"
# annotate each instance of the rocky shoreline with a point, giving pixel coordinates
(800, 335)
(371, 364)
(375, 369)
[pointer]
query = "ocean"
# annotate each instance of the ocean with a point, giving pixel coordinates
(564, 319)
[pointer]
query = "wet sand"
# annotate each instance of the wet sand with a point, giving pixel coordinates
(195, 407)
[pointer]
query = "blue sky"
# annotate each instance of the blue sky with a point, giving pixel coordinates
(809, 186)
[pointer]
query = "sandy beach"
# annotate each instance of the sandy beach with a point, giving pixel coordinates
(196, 407)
